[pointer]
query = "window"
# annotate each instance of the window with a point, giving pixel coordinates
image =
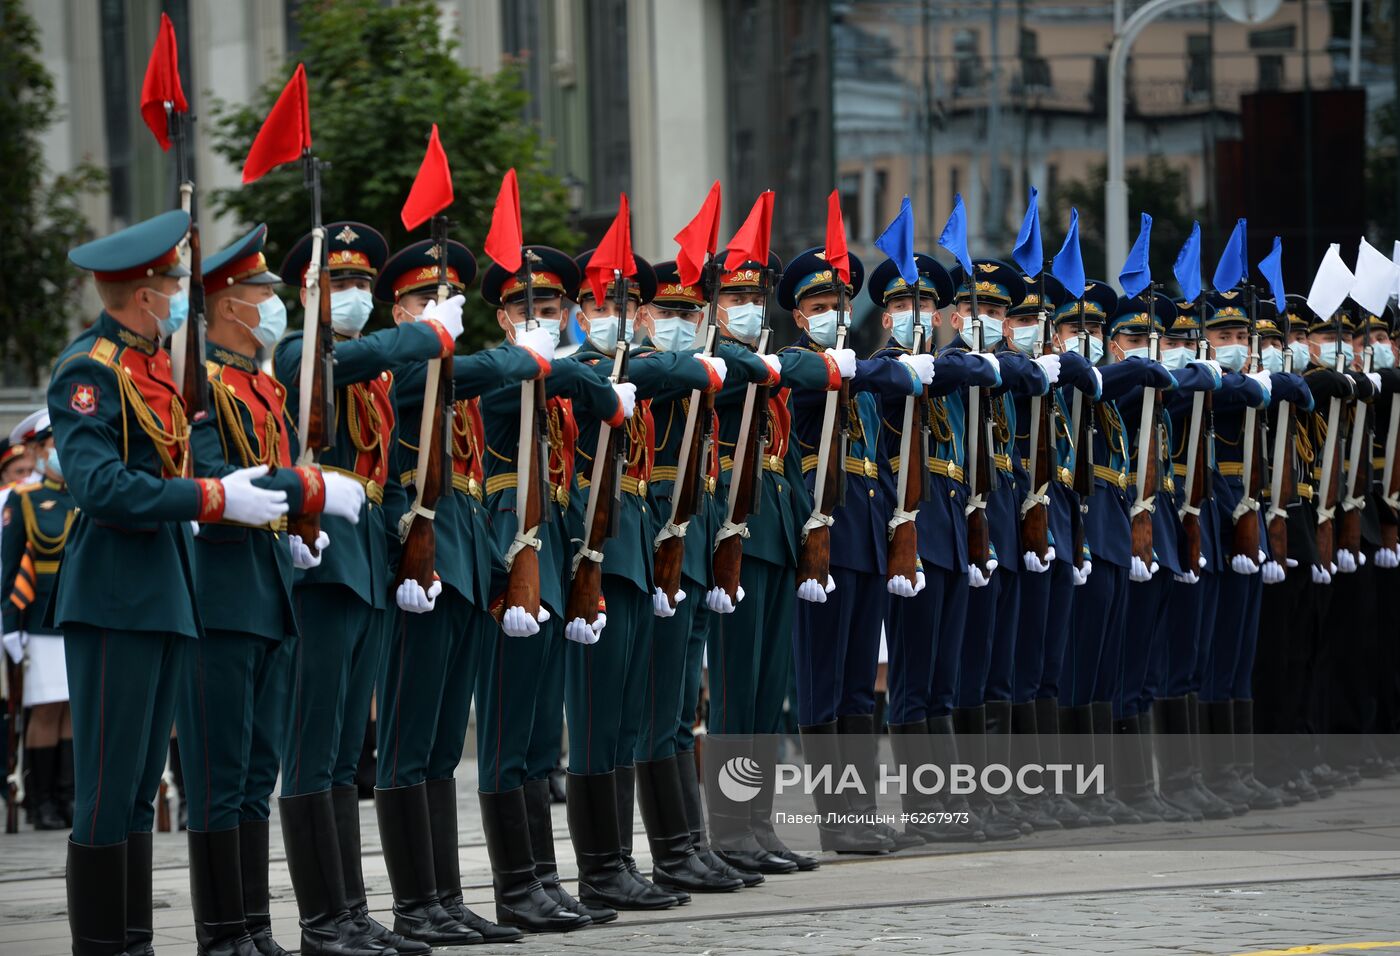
(609, 133)
(1035, 69)
(967, 62)
(1098, 94)
(849, 186)
(117, 98)
(1271, 72)
(1279, 38)
(1199, 79)
(954, 186)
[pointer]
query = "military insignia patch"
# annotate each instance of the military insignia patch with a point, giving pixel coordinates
(48, 505)
(83, 399)
(347, 235)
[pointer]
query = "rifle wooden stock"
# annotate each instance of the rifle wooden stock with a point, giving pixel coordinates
(978, 538)
(417, 558)
(743, 487)
(163, 808)
(587, 584)
(814, 555)
(979, 551)
(902, 556)
(1326, 530)
(1035, 523)
(1083, 477)
(1349, 530)
(669, 557)
(1245, 538)
(523, 571)
(194, 377)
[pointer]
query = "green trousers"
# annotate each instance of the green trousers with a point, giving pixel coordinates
(602, 720)
(463, 663)
(122, 687)
(507, 680)
(230, 710)
(751, 652)
(547, 724)
(332, 683)
(673, 677)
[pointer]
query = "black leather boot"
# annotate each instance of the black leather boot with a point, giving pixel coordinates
(1101, 727)
(761, 807)
(689, 776)
(1265, 798)
(1131, 781)
(1013, 747)
(43, 766)
(675, 864)
(447, 867)
(346, 803)
(311, 838)
(1218, 755)
(625, 783)
(1147, 745)
(731, 826)
(252, 858)
(520, 899)
(539, 815)
(963, 825)
(1175, 751)
(1045, 711)
(909, 745)
(971, 725)
(139, 925)
(216, 894)
(1077, 749)
(821, 748)
(603, 877)
(860, 750)
(97, 909)
(407, 840)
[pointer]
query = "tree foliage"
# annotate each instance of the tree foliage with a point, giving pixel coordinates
(40, 218)
(379, 77)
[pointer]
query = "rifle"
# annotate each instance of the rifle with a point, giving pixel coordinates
(316, 397)
(1245, 540)
(1197, 487)
(1327, 491)
(694, 453)
(829, 489)
(1282, 486)
(433, 474)
(1147, 473)
(14, 723)
(1349, 526)
(522, 558)
(1082, 414)
(912, 484)
(980, 464)
(743, 499)
(1035, 509)
(187, 343)
(1390, 477)
(604, 488)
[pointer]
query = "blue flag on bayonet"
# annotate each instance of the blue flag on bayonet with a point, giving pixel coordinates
(1029, 254)
(954, 236)
(897, 242)
(1271, 268)
(1137, 271)
(1234, 264)
(1188, 264)
(1068, 266)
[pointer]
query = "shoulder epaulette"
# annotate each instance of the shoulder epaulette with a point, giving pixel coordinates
(104, 351)
(25, 489)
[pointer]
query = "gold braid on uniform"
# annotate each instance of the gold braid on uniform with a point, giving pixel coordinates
(463, 435)
(854, 424)
(358, 397)
(231, 428)
(1001, 426)
(555, 431)
(1117, 435)
(45, 546)
(1303, 445)
(940, 426)
(167, 443)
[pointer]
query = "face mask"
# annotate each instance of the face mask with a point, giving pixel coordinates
(745, 321)
(48, 465)
(350, 309)
(272, 321)
(1271, 358)
(1301, 356)
(672, 334)
(1024, 338)
(822, 327)
(1176, 359)
(1142, 352)
(1328, 355)
(549, 325)
(179, 312)
(991, 333)
(1382, 356)
(1232, 357)
(602, 332)
(1095, 348)
(902, 328)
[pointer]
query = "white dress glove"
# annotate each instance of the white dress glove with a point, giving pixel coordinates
(302, 558)
(581, 632)
(627, 397)
(448, 314)
(1081, 575)
(1346, 561)
(1217, 370)
(661, 604)
(1271, 572)
(14, 645)
(1140, 572)
(715, 364)
(248, 504)
(1388, 557)
(1241, 564)
(719, 602)
(1050, 367)
(517, 622)
(1320, 575)
(991, 360)
(845, 360)
(775, 364)
(921, 365)
(1189, 577)
(1375, 378)
(537, 340)
(345, 497)
(1033, 563)
(900, 586)
(1264, 381)
(411, 597)
(812, 590)
(976, 578)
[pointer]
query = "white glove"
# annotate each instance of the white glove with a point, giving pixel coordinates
(1216, 368)
(537, 340)
(248, 504)
(1375, 378)
(1190, 577)
(1049, 366)
(775, 364)
(302, 558)
(1272, 572)
(1081, 575)
(448, 314)
(719, 602)
(1320, 575)
(1388, 557)
(14, 645)
(715, 364)
(627, 396)
(976, 578)
(194, 528)
(581, 632)
(845, 360)
(1346, 561)
(412, 598)
(812, 590)
(1241, 564)
(1033, 563)
(345, 496)
(517, 622)
(1265, 381)
(921, 365)
(991, 360)
(900, 586)
(1140, 572)
(661, 604)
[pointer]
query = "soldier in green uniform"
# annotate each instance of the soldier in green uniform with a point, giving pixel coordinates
(343, 604)
(125, 594)
(230, 709)
(425, 684)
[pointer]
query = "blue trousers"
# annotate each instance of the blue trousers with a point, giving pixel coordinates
(1187, 606)
(979, 634)
(947, 651)
(1032, 634)
(913, 629)
(836, 648)
(1098, 608)
(1235, 634)
(1059, 621)
(1146, 600)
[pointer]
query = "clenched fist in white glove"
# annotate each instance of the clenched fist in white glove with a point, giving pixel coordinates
(626, 397)
(1139, 572)
(302, 557)
(900, 586)
(1388, 557)
(1320, 575)
(977, 578)
(345, 496)
(845, 360)
(1081, 575)
(1050, 367)
(991, 360)
(775, 364)
(517, 622)
(921, 365)
(411, 597)
(1271, 572)
(246, 503)
(1188, 577)
(715, 364)
(718, 600)
(1033, 563)
(448, 314)
(1240, 564)
(581, 632)
(661, 604)
(1347, 562)
(537, 340)
(812, 590)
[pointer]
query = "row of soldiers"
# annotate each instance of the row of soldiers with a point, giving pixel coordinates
(182, 595)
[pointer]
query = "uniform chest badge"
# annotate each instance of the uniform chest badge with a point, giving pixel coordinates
(48, 505)
(83, 399)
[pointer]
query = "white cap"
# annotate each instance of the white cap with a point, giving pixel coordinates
(29, 426)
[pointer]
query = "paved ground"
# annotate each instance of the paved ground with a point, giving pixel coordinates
(1331, 886)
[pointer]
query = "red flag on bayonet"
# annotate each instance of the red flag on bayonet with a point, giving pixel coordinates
(614, 252)
(752, 239)
(162, 83)
(506, 235)
(836, 252)
(699, 239)
(285, 132)
(432, 188)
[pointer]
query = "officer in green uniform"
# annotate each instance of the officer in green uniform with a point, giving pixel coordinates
(425, 685)
(343, 604)
(125, 594)
(230, 709)
(519, 686)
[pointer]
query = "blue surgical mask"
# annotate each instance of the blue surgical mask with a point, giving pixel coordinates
(991, 333)
(350, 309)
(1382, 357)
(549, 325)
(1095, 348)
(602, 332)
(1024, 338)
(1176, 359)
(1327, 355)
(48, 465)
(822, 327)
(745, 321)
(1142, 352)
(272, 321)
(902, 328)
(1232, 357)
(671, 334)
(1271, 358)
(179, 312)
(1301, 357)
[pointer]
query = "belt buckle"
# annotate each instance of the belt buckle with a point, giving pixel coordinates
(774, 463)
(641, 488)
(870, 469)
(710, 484)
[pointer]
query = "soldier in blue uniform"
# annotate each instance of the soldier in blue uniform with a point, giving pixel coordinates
(125, 597)
(343, 603)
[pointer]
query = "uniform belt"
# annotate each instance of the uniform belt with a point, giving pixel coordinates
(374, 491)
(1305, 491)
(1378, 463)
(1235, 469)
(46, 567)
(862, 466)
(499, 483)
(1065, 476)
(634, 486)
(671, 473)
(1112, 476)
(770, 463)
(276, 527)
(949, 469)
(1003, 462)
(466, 484)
